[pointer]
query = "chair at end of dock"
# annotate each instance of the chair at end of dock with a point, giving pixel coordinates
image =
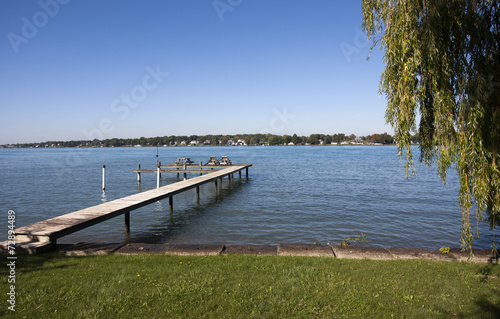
(183, 161)
(212, 161)
(225, 161)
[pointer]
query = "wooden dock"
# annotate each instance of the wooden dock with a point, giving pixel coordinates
(43, 235)
(177, 168)
(198, 169)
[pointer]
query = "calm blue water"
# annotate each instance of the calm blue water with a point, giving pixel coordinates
(293, 194)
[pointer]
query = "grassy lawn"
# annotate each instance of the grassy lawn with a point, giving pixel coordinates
(235, 286)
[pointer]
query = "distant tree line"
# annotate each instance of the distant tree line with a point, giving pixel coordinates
(220, 140)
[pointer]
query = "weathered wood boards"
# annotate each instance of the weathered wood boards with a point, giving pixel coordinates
(182, 169)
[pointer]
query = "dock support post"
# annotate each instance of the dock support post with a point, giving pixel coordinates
(171, 203)
(158, 177)
(127, 222)
(215, 184)
(138, 173)
(159, 167)
(104, 177)
(177, 173)
(246, 168)
(197, 193)
(239, 174)
(185, 174)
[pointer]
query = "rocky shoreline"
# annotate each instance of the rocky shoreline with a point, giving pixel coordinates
(313, 250)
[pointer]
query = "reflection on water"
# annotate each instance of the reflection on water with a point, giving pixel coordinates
(103, 197)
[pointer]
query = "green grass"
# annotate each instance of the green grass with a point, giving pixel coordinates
(156, 286)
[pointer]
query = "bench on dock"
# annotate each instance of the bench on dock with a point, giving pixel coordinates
(183, 161)
(225, 161)
(212, 161)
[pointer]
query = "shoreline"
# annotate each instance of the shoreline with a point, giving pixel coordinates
(284, 249)
(190, 146)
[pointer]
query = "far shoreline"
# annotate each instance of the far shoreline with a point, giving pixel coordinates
(190, 146)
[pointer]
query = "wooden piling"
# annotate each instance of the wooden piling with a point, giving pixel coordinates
(127, 222)
(171, 202)
(197, 193)
(138, 173)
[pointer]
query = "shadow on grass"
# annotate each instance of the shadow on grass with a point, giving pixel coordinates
(488, 308)
(486, 271)
(28, 263)
(485, 308)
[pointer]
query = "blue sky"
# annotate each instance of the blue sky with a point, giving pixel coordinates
(73, 69)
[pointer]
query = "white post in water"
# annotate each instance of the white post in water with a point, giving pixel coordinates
(158, 177)
(104, 177)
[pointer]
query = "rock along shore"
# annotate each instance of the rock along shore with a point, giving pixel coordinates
(313, 250)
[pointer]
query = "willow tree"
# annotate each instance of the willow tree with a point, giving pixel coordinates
(442, 80)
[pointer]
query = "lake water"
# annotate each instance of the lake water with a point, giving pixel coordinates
(292, 195)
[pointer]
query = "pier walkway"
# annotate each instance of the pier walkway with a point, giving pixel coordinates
(43, 235)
